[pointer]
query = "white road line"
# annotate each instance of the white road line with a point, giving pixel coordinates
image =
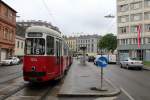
(129, 96)
(107, 98)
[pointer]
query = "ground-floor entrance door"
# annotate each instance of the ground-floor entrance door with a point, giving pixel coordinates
(3, 54)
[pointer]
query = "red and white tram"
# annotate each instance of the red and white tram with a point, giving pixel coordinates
(46, 55)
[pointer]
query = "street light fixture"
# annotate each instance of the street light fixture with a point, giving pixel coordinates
(109, 16)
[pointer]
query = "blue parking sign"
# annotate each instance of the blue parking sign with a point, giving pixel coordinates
(102, 61)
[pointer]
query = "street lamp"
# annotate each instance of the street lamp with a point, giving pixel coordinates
(109, 16)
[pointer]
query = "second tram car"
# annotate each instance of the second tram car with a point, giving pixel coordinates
(46, 55)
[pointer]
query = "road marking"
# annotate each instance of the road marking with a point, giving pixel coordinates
(129, 96)
(107, 98)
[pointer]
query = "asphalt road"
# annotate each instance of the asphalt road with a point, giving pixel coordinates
(134, 83)
(10, 72)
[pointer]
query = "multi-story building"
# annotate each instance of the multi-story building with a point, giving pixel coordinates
(22, 25)
(90, 42)
(71, 41)
(7, 30)
(19, 46)
(130, 14)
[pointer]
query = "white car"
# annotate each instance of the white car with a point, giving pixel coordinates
(131, 63)
(96, 58)
(10, 61)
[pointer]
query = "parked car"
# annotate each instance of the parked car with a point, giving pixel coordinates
(10, 61)
(91, 59)
(131, 63)
(98, 56)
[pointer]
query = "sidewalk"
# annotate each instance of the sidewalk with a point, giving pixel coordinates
(80, 79)
(146, 68)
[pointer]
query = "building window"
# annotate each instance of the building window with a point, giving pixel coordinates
(143, 40)
(147, 28)
(123, 30)
(147, 3)
(5, 34)
(123, 19)
(21, 45)
(134, 29)
(147, 15)
(136, 17)
(123, 8)
(18, 43)
(137, 5)
(130, 41)
(92, 48)
(148, 40)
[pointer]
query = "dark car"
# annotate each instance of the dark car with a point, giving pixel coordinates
(91, 59)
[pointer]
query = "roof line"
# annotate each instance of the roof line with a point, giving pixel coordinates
(8, 6)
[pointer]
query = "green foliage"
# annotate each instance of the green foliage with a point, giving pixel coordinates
(147, 63)
(108, 42)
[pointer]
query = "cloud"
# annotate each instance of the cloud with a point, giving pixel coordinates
(71, 16)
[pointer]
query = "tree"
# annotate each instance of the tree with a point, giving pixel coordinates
(108, 42)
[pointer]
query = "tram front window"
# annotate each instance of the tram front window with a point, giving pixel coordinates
(35, 46)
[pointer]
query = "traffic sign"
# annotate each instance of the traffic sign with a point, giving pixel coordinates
(102, 61)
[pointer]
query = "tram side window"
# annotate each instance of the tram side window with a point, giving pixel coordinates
(50, 45)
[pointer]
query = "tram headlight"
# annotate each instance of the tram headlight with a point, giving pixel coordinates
(33, 69)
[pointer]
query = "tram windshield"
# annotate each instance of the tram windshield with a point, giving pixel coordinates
(35, 46)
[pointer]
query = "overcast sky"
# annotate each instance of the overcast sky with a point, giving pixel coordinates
(71, 16)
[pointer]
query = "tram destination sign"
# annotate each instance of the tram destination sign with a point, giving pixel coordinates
(35, 34)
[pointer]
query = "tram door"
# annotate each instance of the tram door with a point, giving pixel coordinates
(58, 54)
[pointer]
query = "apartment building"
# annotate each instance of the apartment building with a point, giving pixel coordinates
(130, 14)
(7, 30)
(90, 42)
(71, 41)
(19, 46)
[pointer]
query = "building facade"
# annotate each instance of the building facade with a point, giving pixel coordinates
(19, 46)
(90, 42)
(7, 30)
(130, 14)
(72, 43)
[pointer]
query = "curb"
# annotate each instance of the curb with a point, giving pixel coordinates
(116, 92)
(145, 68)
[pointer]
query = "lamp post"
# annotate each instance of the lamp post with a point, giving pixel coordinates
(83, 58)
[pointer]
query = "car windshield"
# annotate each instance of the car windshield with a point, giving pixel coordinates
(35, 46)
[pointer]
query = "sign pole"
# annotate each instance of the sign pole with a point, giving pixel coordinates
(101, 77)
(101, 62)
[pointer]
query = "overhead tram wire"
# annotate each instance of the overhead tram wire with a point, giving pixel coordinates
(110, 26)
(49, 12)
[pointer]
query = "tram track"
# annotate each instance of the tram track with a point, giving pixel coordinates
(11, 87)
(7, 80)
(31, 91)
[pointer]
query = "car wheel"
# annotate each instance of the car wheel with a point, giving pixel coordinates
(11, 63)
(140, 68)
(127, 66)
(121, 66)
